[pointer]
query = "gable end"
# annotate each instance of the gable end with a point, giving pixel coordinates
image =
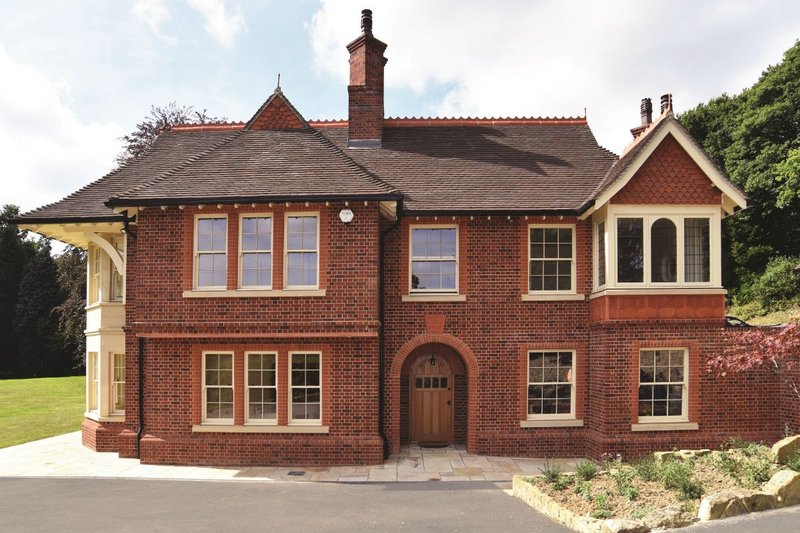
(277, 113)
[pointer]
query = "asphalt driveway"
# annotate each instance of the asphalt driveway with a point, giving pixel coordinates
(54, 504)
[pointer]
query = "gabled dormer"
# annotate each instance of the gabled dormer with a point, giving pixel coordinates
(657, 214)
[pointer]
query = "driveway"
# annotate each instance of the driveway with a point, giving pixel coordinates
(142, 505)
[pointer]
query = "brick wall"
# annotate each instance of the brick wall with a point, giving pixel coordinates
(101, 436)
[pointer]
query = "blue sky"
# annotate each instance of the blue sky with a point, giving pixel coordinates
(78, 75)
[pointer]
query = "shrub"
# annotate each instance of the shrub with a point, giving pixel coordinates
(677, 475)
(647, 469)
(794, 462)
(563, 482)
(551, 471)
(586, 470)
(778, 287)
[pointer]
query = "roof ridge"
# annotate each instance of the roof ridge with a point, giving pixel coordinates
(166, 174)
(208, 126)
(460, 121)
(371, 177)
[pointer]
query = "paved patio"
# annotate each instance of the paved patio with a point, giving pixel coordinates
(65, 456)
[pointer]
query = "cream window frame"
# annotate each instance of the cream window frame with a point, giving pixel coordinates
(553, 416)
(217, 421)
(677, 214)
(115, 383)
(271, 251)
(596, 252)
(287, 251)
(93, 383)
(247, 386)
(684, 416)
(305, 421)
(95, 266)
(196, 253)
(573, 261)
(116, 292)
(411, 258)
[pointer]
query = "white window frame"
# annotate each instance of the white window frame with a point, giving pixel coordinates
(286, 250)
(412, 258)
(677, 214)
(93, 382)
(305, 421)
(573, 385)
(573, 269)
(114, 383)
(247, 387)
(196, 252)
(218, 421)
(684, 416)
(242, 252)
(596, 252)
(95, 268)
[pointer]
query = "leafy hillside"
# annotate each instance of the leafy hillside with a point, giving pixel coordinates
(755, 138)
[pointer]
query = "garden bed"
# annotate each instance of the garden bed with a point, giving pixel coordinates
(663, 491)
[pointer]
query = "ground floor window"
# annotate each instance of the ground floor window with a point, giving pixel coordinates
(663, 384)
(218, 387)
(93, 380)
(306, 392)
(262, 387)
(551, 384)
(118, 384)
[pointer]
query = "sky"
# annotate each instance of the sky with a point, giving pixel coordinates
(76, 76)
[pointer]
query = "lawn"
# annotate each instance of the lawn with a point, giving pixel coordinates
(32, 409)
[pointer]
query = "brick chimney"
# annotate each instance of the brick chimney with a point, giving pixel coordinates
(646, 112)
(365, 109)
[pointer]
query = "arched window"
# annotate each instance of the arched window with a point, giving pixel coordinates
(663, 251)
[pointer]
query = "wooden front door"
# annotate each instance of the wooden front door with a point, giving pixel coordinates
(431, 397)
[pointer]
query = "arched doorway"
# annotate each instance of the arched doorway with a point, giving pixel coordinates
(431, 400)
(453, 361)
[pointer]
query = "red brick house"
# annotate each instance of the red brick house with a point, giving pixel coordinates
(290, 291)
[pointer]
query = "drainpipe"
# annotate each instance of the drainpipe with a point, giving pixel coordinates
(140, 430)
(381, 342)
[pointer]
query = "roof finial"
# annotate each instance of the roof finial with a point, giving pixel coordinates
(278, 88)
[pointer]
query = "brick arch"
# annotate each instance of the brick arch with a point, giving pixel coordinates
(393, 389)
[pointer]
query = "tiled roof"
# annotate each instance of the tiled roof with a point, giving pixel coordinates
(486, 164)
(261, 165)
(454, 165)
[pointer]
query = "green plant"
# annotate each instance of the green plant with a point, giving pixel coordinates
(584, 489)
(623, 478)
(647, 469)
(563, 482)
(734, 443)
(677, 476)
(586, 470)
(779, 286)
(794, 462)
(601, 514)
(551, 471)
(758, 469)
(641, 512)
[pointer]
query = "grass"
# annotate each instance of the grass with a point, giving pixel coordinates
(32, 409)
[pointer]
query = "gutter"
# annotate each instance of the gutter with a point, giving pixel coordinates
(381, 334)
(229, 200)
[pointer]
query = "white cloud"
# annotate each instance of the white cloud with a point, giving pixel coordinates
(154, 13)
(220, 25)
(46, 150)
(555, 58)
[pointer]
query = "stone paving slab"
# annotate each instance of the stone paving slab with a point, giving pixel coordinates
(65, 456)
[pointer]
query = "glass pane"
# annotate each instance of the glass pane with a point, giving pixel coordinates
(696, 250)
(630, 250)
(254, 378)
(663, 251)
(645, 408)
(443, 382)
(313, 412)
(601, 253)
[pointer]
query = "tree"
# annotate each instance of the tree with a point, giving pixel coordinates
(159, 120)
(755, 138)
(15, 252)
(71, 313)
(774, 348)
(36, 324)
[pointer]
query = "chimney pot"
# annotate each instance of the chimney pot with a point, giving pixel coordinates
(646, 109)
(366, 21)
(666, 103)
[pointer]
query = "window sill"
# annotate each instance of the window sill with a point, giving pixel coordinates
(646, 291)
(552, 297)
(434, 298)
(99, 305)
(258, 428)
(665, 426)
(245, 293)
(110, 418)
(553, 423)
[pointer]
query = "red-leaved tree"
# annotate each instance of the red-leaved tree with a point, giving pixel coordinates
(775, 348)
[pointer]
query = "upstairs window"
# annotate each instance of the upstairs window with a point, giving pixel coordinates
(95, 266)
(697, 258)
(630, 250)
(302, 251)
(434, 259)
(117, 278)
(211, 258)
(663, 251)
(256, 252)
(552, 259)
(601, 253)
